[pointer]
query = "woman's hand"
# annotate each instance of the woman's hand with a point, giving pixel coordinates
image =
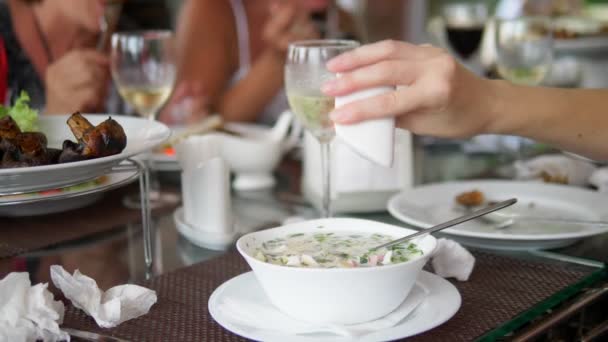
(434, 95)
(287, 23)
(188, 104)
(77, 82)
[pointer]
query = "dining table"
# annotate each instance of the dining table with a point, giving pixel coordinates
(511, 295)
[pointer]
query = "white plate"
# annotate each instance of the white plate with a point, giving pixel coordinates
(72, 198)
(142, 135)
(585, 159)
(201, 238)
(582, 44)
(428, 205)
(441, 303)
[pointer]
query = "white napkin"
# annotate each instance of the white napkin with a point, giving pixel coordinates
(110, 308)
(372, 139)
(29, 313)
(267, 317)
(599, 179)
(577, 172)
(452, 260)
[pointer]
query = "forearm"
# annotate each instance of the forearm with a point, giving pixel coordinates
(245, 100)
(573, 120)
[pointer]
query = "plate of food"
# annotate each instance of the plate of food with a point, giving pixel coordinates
(576, 33)
(63, 199)
(551, 215)
(49, 152)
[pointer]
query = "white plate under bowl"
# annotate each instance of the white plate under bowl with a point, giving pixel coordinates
(142, 135)
(201, 238)
(441, 303)
(55, 201)
(432, 204)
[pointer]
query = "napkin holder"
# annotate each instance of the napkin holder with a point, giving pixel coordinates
(357, 184)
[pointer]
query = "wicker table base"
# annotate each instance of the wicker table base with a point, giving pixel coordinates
(499, 289)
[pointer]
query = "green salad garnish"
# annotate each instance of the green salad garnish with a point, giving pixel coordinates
(25, 117)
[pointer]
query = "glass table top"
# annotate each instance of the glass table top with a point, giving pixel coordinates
(116, 256)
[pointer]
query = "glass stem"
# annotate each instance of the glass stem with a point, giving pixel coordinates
(325, 169)
(154, 183)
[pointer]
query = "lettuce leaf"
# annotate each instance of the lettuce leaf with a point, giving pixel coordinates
(25, 117)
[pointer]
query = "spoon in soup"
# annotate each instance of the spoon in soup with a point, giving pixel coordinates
(473, 215)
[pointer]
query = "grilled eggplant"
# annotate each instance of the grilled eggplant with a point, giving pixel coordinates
(22, 149)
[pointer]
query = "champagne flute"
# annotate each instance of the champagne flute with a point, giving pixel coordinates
(305, 73)
(144, 70)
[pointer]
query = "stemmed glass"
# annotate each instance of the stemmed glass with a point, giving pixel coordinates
(305, 73)
(524, 49)
(464, 24)
(144, 71)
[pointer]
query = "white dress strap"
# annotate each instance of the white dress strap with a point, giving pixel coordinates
(242, 32)
(279, 103)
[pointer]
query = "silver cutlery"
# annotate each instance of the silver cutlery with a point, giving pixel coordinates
(91, 336)
(108, 23)
(507, 218)
(526, 219)
(473, 215)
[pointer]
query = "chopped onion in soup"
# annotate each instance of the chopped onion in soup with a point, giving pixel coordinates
(334, 250)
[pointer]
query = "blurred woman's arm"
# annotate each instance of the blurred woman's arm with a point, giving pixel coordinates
(208, 51)
(437, 96)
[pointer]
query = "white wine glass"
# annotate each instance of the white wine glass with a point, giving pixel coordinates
(524, 49)
(144, 71)
(305, 73)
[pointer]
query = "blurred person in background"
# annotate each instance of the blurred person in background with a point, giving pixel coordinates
(50, 49)
(516, 8)
(234, 51)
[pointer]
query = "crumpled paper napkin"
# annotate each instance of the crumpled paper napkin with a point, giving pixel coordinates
(555, 168)
(29, 313)
(451, 260)
(267, 317)
(109, 308)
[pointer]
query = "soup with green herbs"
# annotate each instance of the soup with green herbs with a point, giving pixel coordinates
(334, 250)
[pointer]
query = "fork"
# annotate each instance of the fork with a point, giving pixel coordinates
(91, 336)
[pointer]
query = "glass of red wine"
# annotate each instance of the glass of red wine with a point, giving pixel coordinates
(464, 23)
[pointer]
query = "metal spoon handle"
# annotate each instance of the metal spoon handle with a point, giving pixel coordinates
(450, 223)
(91, 336)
